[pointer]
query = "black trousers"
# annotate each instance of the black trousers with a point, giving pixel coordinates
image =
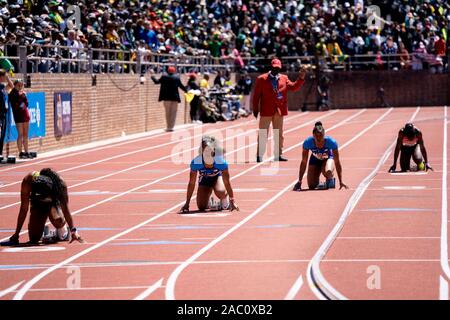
(3, 132)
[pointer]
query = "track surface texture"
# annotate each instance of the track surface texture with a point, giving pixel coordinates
(384, 238)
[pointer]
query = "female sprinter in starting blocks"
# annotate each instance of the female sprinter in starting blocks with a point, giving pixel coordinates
(410, 145)
(47, 194)
(324, 159)
(213, 176)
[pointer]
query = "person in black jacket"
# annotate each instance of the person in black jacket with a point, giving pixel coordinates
(168, 93)
(244, 87)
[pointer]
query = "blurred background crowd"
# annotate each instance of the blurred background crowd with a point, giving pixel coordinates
(245, 32)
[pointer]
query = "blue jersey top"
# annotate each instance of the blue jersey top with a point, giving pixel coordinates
(219, 165)
(321, 153)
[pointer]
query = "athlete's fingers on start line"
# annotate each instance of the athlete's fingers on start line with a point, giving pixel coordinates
(298, 186)
(343, 186)
(233, 206)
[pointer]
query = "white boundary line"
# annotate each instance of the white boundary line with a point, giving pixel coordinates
(318, 284)
(177, 173)
(170, 286)
(295, 289)
(205, 262)
(150, 290)
(443, 283)
(94, 146)
(121, 155)
(28, 285)
(11, 289)
(139, 165)
(443, 288)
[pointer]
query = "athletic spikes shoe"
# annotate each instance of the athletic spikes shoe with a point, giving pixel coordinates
(49, 236)
(55, 235)
(224, 204)
(331, 183)
(421, 167)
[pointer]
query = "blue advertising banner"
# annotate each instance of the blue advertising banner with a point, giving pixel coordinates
(63, 113)
(36, 108)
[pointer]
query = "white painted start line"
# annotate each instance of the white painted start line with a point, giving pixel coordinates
(32, 249)
(405, 187)
(99, 192)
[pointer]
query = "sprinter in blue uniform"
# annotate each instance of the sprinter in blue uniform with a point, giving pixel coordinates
(213, 173)
(324, 159)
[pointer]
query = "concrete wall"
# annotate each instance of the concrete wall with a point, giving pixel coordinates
(359, 89)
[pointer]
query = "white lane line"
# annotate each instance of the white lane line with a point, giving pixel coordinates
(136, 166)
(443, 288)
(383, 238)
(156, 160)
(150, 290)
(90, 147)
(20, 294)
(405, 187)
(161, 179)
(444, 214)
(318, 284)
(141, 149)
(135, 264)
(170, 287)
(87, 289)
(407, 173)
(295, 289)
(11, 289)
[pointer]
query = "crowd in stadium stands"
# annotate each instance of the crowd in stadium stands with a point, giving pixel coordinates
(235, 30)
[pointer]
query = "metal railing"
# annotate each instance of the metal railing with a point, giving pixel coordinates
(65, 59)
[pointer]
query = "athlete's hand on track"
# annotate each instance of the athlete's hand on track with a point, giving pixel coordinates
(428, 167)
(343, 186)
(298, 186)
(13, 240)
(75, 236)
(185, 208)
(393, 168)
(233, 206)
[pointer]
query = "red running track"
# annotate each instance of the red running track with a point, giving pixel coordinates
(126, 196)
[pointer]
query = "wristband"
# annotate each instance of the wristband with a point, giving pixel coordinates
(73, 229)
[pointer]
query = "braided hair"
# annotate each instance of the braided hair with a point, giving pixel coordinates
(59, 187)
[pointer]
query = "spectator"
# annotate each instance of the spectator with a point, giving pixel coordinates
(252, 28)
(19, 104)
(204, 83)
(405, 60)
(245, 87)
(4, 77)
(219, 80)
(194, 88)
(168, 93)
(149, 36)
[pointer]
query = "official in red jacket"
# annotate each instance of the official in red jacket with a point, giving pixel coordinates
(270, 100)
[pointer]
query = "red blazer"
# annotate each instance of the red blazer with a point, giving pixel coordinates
(265, 98)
